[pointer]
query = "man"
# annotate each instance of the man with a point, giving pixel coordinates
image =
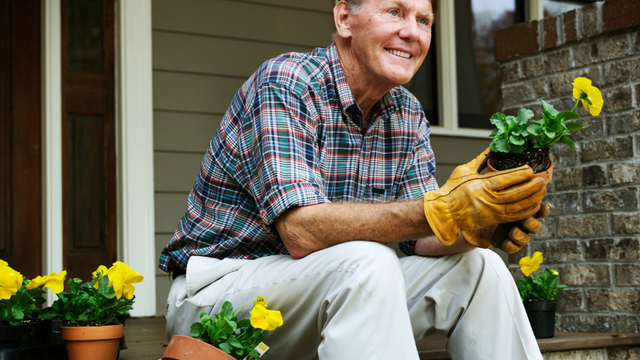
(321, 160)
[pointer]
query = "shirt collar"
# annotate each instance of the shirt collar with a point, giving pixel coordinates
(347, 101)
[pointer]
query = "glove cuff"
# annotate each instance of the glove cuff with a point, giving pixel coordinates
(475, 240)
(439, 217)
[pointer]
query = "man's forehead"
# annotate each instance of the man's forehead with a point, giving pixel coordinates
(426, 6)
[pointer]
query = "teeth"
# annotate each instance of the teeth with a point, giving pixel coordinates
(399, 53)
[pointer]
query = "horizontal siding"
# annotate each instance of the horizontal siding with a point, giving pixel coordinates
(180, 132)
(176, 172)
(193, 93)
(240, 20)
(318, 5)
(169, 210)
(213, 56)
(452, 151)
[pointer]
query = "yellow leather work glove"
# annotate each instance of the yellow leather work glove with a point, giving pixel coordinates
(509, 237)
(469, 200)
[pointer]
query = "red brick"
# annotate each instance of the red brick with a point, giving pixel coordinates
(590, 20)
(550, 32)
(570, 26)
(516, 40)
(620, 14)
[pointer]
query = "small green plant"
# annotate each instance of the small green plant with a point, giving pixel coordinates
(96, 302)
(238, 338)
(538, 286)
(513, 134)
(19, 297)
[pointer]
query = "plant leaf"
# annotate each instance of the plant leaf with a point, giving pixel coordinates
(575, 126)
(567, 141)
(524, 115)
(549, 108)
(225, 347)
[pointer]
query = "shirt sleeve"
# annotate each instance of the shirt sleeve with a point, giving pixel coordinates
(284, 152)
(420, 175)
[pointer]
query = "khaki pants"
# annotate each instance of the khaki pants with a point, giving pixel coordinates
(357, 300)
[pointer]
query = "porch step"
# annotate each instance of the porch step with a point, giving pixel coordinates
(565, 346)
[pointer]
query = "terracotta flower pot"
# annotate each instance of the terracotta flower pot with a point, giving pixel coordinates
(187, 348)
(10, 336)
(546, 175)
(92, 342)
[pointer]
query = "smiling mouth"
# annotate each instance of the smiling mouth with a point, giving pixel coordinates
(402, 54)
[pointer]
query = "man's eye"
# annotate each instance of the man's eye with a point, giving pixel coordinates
(394, 12)
(424, 21)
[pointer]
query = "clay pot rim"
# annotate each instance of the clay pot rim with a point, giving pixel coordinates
(83, 333)
(207, 349)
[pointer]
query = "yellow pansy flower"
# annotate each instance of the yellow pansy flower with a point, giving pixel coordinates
(10, 281)
(121, 277)
(529, 265)
(262, 318)
(53, 281)
(261, 301)
(582, 89)
(554, 272)
(101, 270)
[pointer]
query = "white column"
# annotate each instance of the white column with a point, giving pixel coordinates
(534, 10)
(51, 84)
(136, 242)
(447, 76)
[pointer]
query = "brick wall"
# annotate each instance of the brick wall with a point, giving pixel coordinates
(592, 235)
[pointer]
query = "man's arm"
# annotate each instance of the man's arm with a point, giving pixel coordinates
(431, 246)
(307, 229)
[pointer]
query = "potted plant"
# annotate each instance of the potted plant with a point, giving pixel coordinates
(225, 337)
(35, 328)
(540, 294)
(90, 327)
(18, 306)
(518, 140)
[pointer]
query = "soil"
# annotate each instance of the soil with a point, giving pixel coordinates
(537, 159)
(87, 323)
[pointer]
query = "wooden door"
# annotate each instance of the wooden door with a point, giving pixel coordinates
(88, 131)
(20, 159)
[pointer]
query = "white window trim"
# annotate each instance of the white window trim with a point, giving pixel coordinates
(447, 72)
(51, 83)
(134, 137)
(134, 99)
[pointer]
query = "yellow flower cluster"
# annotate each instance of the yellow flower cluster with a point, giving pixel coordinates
(121, 277)
(529, 265)
(590, 95)
(263, 318)
(10, 281)
(53, 281)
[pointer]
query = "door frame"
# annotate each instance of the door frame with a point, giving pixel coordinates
(134, 145)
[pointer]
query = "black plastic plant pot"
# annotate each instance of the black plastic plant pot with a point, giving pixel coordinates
(38, 330)
(10, 336)
(542, 316)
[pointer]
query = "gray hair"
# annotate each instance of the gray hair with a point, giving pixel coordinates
(355, 7)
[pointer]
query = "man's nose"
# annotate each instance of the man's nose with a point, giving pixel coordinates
(410, 30)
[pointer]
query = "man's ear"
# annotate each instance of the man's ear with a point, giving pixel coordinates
(341, 18)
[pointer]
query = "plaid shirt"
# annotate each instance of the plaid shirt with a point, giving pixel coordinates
(294, 136)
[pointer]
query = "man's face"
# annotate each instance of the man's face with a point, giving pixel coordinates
(390, 39)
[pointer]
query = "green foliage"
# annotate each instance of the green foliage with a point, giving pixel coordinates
(224, 331)
(514, 134)
(86, 305)
(21, 307)
(540, 286)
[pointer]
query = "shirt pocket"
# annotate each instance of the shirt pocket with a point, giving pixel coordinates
(379, 194)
